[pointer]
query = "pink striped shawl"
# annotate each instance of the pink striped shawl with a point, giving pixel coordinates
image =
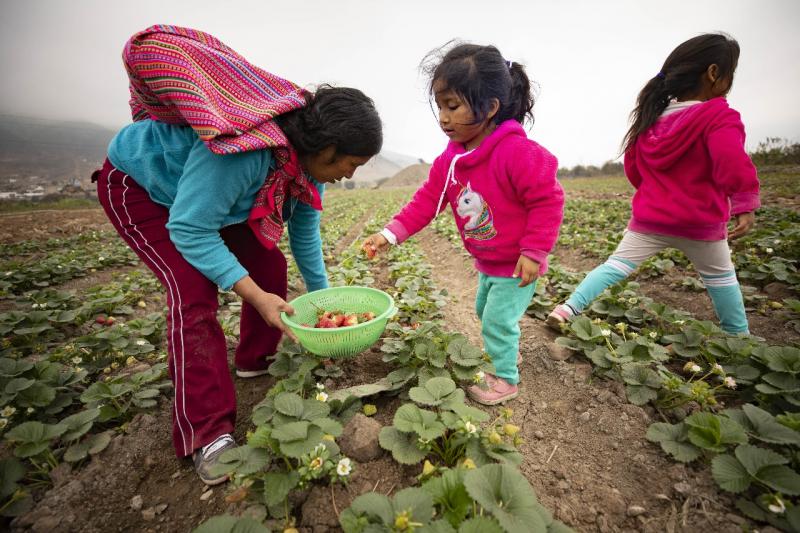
(185, 76)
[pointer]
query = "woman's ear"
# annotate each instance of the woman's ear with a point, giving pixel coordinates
(328, 155)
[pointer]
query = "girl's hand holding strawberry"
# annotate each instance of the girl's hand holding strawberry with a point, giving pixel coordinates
(373, 244)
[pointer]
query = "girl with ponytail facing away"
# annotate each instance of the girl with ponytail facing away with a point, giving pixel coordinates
(685, 156)
(502, 189)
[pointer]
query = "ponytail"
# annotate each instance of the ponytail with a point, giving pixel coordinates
(680, 77)
(521, 100)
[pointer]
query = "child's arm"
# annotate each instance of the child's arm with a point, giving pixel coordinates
(731, 167)
(306, 244)
(419, 212)
(629, 164)
(533, 176)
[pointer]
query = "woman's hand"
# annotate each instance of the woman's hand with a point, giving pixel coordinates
(269, 306)
(373, 244)
(744, 223)
(527, 269)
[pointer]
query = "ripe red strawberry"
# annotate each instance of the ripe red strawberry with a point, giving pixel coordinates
(369, 250)
(326, 323)
(338, 319)
(100, 319)
(350, 320)
(369, 315)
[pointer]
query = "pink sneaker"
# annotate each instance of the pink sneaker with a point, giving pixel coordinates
(498, 391)
(560, 315)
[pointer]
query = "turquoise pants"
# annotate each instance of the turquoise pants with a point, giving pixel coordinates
(500, 304)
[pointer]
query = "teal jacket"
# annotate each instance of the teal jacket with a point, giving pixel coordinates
(206, 192)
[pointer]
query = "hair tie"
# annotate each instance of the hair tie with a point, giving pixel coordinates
(508, 64)
(661, 75)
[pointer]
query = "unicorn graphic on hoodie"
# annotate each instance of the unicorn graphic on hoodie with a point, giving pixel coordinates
(479, 225)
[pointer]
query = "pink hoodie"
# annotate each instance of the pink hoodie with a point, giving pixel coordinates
(691, 173)
(504, 196)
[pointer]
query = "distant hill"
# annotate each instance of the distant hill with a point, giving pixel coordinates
(411, 176)
(382, 167)
(49, 153)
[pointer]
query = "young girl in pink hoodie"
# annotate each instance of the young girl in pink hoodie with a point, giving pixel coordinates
(685, 155)
(502, 189)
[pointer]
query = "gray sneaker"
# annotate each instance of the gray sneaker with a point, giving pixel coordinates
(206, 458)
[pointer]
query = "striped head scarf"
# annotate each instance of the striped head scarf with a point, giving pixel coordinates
(184, 76)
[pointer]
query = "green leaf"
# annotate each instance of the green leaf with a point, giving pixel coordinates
(754, 458)
(767, 429)
(331, 427)
(480, 524)
(640, 395)
(585, 330)
(314, 409)
(79, 424)
(37, 395)
(11, 471)
(292, 431)
(278, 485)
(244, 460)
(450, 495)
(729, 473)
(34, 437)
(504, 492)
(417, 502)
(402, 445)
(780, 478)
(290, 404)
(300, 447)
(439, 526)
(672, 438)
(374, 504)
(424, 423)
(18, 384)
(433, 392)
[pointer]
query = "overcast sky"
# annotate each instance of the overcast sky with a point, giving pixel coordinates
(61, 59)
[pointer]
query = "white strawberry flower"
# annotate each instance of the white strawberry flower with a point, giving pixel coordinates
(320, 386)
(696, 368)
(140, 342)
(344, 467)
(470, 428)
(718, 368)
(777, 506)
(101, 258)
(729, 382)
(322, 396)
(8, 411)
(3, 423)
(769, 250)
(653, 335)
(76, 360)
(9, 273)
(605, 332)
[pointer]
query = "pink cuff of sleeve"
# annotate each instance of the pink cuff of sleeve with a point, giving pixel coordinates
(540, 256)
(744, 202)
(398, 230)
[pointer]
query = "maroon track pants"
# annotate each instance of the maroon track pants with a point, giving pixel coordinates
(204, 405)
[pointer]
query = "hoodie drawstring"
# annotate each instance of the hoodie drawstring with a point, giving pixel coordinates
(450, 179)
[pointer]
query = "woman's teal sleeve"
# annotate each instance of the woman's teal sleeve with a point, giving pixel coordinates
(306, 244)
(209, 189)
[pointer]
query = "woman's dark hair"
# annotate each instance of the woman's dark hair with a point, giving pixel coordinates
(680, 77)
(342, 117)
(478, 74)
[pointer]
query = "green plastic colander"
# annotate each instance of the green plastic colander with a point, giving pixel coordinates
(344, 342)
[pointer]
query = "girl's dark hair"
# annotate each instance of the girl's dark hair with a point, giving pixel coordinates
(680, 77)
(342, 117)
(478, 74)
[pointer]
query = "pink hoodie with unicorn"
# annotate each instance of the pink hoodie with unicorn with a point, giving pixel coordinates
(504, 196)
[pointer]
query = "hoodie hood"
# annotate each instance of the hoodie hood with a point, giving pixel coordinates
(482, 153)
(671, 136)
